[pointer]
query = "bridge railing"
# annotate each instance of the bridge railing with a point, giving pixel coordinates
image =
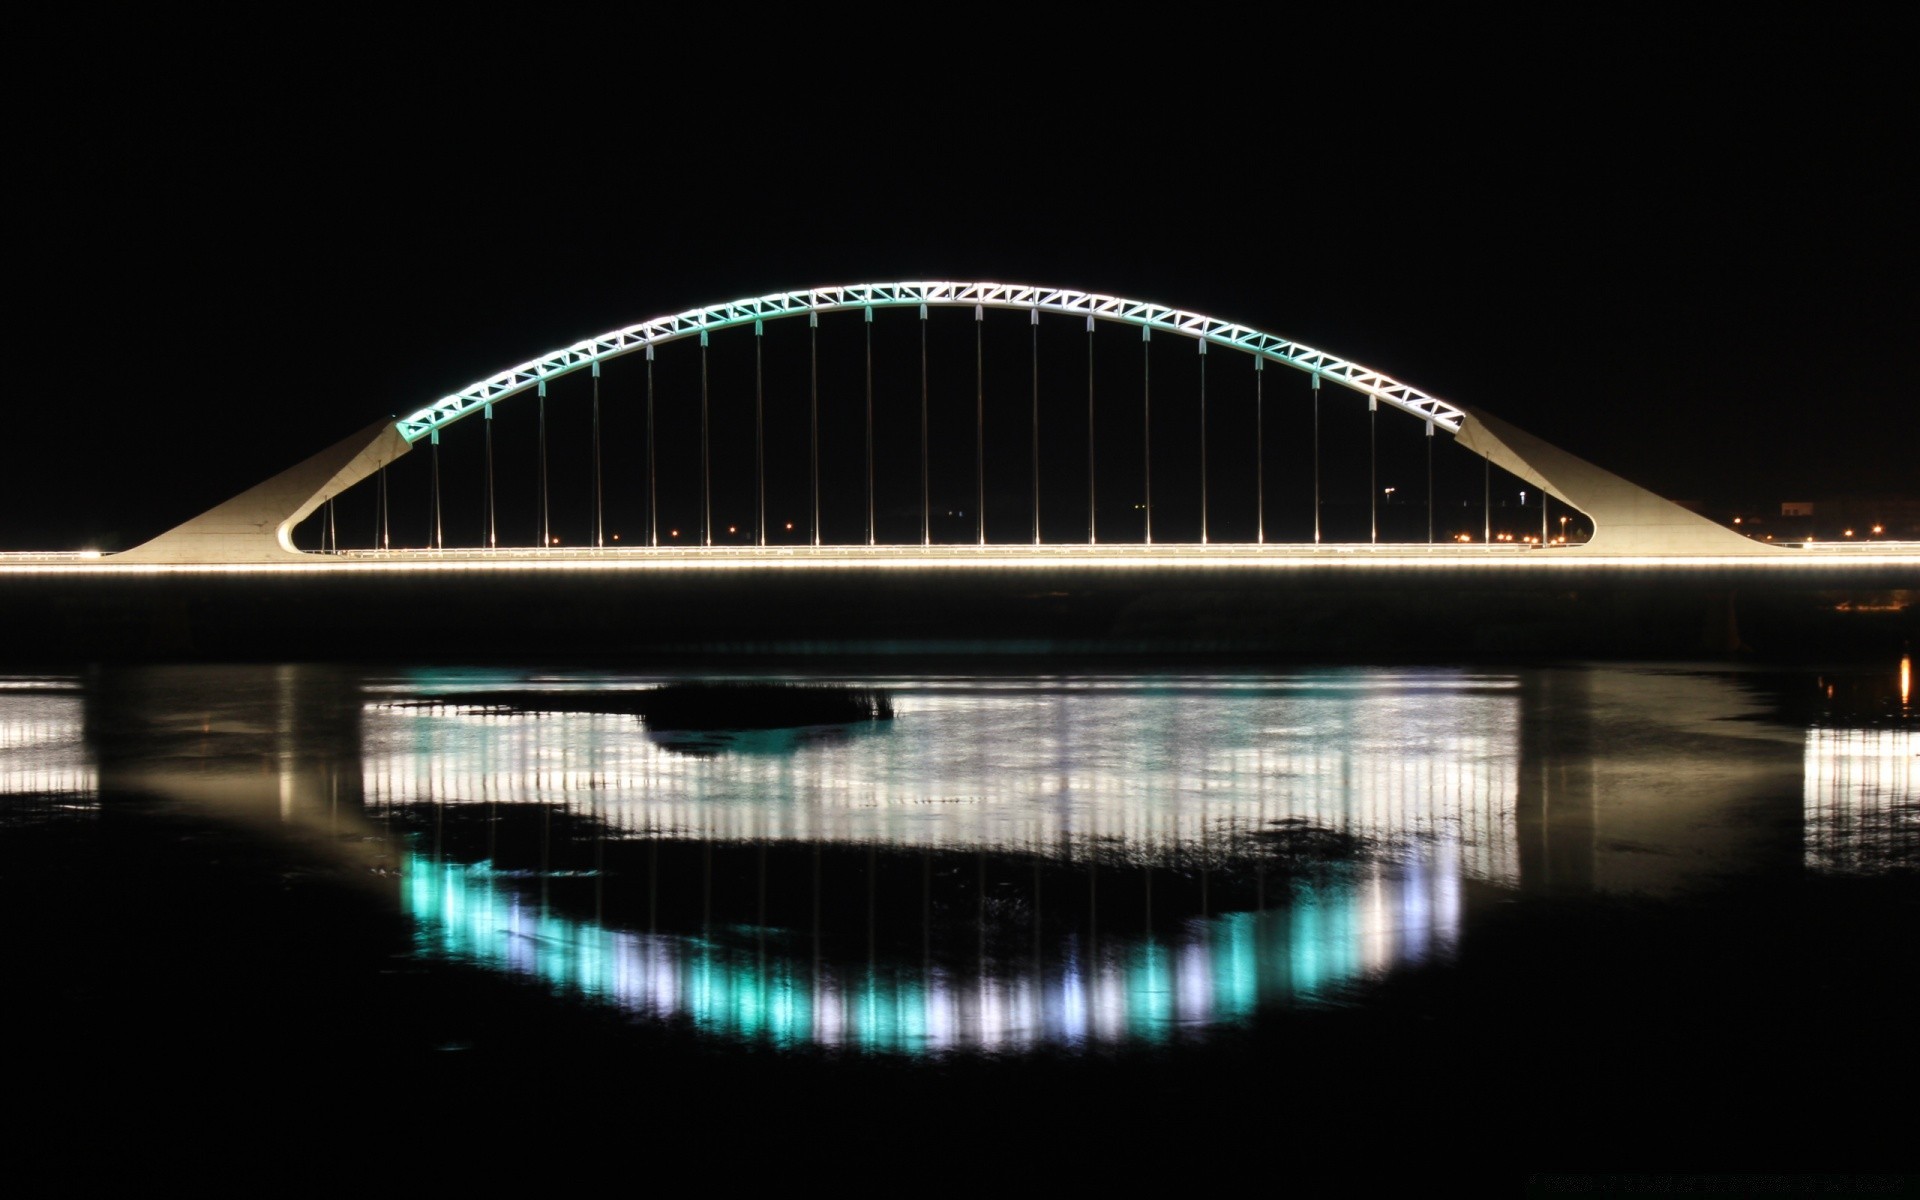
(1851, 546)
(958, 550)
(49, 555)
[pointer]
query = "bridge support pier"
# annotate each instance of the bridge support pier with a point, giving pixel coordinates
(1627, 518)
(256, 525)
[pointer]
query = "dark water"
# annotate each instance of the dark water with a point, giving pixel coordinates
(1437, 922)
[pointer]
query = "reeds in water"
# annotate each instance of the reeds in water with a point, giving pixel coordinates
(761, 706)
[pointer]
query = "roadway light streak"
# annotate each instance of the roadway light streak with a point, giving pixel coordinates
(1837, 558)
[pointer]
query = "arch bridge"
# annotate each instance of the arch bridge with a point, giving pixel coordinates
(1625, 520)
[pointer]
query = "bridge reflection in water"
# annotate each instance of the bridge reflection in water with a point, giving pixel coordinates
(1014, 863)
(1366, 799)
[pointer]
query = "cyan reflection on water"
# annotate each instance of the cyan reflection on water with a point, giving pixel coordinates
(1019, 863)
(1212, 970)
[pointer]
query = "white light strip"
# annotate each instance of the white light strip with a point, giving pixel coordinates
(992, 558)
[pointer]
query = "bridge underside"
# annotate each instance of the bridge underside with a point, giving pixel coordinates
(257, 525)
(1260, 606)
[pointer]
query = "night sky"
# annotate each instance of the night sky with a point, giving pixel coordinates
(1685, 253)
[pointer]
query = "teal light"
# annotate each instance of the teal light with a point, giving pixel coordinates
(1236, 978)
(1211, 972)
(1149, 994)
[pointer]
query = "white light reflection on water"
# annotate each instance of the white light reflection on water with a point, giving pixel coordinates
(43, 751)
(1419, 770)
(1137, 769)
(1861, 799)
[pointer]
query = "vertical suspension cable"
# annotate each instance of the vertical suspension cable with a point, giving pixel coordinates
(1092, 495)
(1034, 324)
(869, 326)
(926, 505)
(386, 540)
(813, 398)
(1486, 476)
(493, 532)
(1202, 343)
(1259, 450)
(333, 532)
(1146, 409)
(653, 493)
(706, 480)
(1373, 467)
(599, 511)
(434, 446)
(1429, 483)
(546, 531)
(980, 421)
(759, 438)
(1316, 460)
(1543, 518)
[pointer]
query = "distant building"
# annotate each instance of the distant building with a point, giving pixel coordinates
(1843, 518)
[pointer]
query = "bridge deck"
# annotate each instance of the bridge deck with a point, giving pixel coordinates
(1237, 556)
(1246, 602)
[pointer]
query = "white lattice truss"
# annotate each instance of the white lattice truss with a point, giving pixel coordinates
(981, 296)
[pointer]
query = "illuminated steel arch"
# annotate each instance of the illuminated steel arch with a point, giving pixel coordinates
(860, 296)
